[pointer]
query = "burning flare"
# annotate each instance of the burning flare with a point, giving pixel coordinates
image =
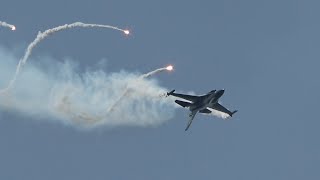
(127, 32)
(169, 68)
(4, 24)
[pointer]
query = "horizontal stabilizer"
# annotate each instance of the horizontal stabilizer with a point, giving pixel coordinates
(184, 96)
(183, 103)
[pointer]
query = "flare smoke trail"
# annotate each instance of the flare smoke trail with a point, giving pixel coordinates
(4, 24)
(41, 36)
(151, 73)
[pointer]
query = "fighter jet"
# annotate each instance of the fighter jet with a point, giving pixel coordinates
(202, 104)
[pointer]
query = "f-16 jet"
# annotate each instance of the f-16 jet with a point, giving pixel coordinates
(202, 104)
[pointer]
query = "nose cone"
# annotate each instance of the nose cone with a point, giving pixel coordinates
(220, 93)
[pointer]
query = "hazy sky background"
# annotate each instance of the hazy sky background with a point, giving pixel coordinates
(264, 53)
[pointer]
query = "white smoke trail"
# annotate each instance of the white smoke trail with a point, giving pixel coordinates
(136, 89)
(4, 24)
(48, 89)
(42, 36)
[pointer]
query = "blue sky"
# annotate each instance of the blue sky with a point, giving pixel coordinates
(264, 53)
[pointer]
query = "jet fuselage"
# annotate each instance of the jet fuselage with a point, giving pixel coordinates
(206, 101)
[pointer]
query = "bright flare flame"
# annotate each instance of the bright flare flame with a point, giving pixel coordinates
(13, 28)
(169, 68)
(127, 32)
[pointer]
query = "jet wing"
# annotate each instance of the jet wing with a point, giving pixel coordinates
(220, 108)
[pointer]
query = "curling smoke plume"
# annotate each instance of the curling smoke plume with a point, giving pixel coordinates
(50, 89)
(42, 36)
(126, 92)
(4, 24)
